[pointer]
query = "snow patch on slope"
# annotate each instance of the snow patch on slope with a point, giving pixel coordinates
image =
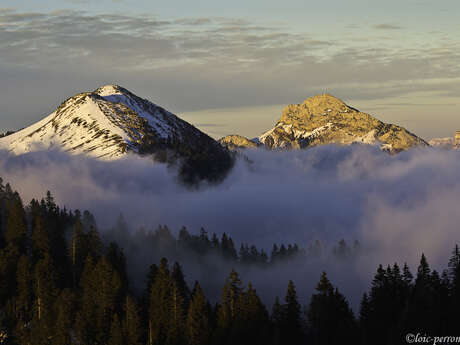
(369, 138)
(293, 132)
(156, 116)
(106, 123)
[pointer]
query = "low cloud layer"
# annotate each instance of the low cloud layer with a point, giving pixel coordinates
(397, 206)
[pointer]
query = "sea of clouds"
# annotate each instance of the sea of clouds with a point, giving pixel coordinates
(397, 206)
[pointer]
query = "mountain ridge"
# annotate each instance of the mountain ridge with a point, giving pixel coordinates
(325, 119)
(112, 112)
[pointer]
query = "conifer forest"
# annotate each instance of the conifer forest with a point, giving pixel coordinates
(61, 283)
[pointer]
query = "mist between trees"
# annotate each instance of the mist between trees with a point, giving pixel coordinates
(396, 206)
(62, 284)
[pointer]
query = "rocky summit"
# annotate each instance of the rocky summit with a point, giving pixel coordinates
(325, 119)
(236, 142)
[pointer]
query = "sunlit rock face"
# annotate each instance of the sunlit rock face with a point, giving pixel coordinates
(325, 119)
(237, 142)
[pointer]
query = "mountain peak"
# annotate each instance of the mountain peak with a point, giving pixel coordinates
(324, 103)
(110, 89)
(107, 123)
(236, 141)
(325, 119)
(324, 98)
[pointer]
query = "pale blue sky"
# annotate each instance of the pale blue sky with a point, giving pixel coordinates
(230, 66)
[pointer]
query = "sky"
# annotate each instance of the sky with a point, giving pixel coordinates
(231, 67)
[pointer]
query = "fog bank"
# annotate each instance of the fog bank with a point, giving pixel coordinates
(397, 206)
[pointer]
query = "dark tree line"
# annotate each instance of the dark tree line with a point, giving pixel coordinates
(398, 303)
(162, 241)
(60, 284)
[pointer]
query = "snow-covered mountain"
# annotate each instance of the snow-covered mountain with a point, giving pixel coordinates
(112, 122)
(107, 123)
(325, 119)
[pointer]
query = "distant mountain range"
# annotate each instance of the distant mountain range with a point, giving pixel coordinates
(325, 119)
(111, 122)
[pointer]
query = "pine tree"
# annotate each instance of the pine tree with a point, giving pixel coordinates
(16, 227)
(364, 315)
(179, 300)
(64, 309)
(330, 318)
(24, 289)
(292, 333)
(146, 303)
(244, 253)
(230, 296)
(215, 241)
(421, 306)
(117, 260)
(228, 247)
(454, 278)
(282, 254)
(254, 255)
(24, 297)
(440, 296)
(89, 221)
(204, 239)
(151, 276)
(342, 251)
(229, 310)
(407, 278)
(444, 304)
(50, 204)
(176, 324)
(108, 296)
(454, 263)
(274, 254)
(8, 266)
(253, 321)
(78, 252)
(40, 239)
(132, 328)
(177, 277)
(387, 300)
(184, 237)
(423, 271)
(94, 243)
(86, 318)
(263, 258)
(231, 249)
(198, 319)
(115, 336)
(159, 311)
(277, 320)
(45, 295)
